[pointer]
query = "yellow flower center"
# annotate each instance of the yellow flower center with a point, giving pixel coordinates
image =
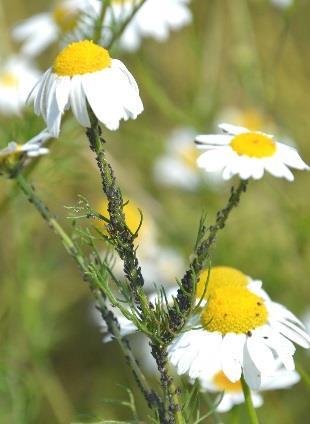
(225, 385)
(9, 80)
(65, 19)
(234, 309)
(253, 144)
(81, 57)
(220, 276)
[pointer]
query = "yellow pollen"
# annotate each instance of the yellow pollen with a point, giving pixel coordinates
(81, 57)
(220, 276)
(225, 385)
(65, 19)
(9, 80)
(253, 144)
(234, 309)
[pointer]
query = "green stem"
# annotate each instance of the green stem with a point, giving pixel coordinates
(99, 22)
(201, 254)
(150, 396)
(248, 401)
(124, 24)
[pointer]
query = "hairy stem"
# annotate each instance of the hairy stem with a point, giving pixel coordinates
(171, 392)
(201, 254)
(120, 235)
(249, 403)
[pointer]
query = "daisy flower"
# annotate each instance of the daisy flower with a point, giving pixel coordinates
(17, 77)
(84, 73)
(33, 148)
(240, 330)
(246, 153)
(154, 19)
(44, 29)
(232, 393)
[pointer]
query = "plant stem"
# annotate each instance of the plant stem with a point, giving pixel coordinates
(124, 24)
(249, 403)
(112, 323)
(201, 254)
(120, 235)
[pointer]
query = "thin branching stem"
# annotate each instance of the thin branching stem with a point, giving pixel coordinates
(111, 321)
(186, 293)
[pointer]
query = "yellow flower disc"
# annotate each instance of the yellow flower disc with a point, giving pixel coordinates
(253, 144)
(220, 276)
(9, 80)
(234, 309)
(224, 385)
(65, 19)
(80, 58)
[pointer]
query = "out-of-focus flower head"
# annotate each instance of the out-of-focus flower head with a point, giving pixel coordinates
(14, 152)
(282, 4)
(239, 151)
(69, 18)
(178, 165)
(17, 78)
(84, 73)
(155, 18)
(233, 393)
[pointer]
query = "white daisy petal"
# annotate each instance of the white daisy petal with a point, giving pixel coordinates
(214, 160)
(78, 101)
(213, 140)
(232, 355)
(291, 157)
(63, 87)
(261, 356)
(232, 129)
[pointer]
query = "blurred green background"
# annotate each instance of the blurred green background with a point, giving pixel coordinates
(245, 60)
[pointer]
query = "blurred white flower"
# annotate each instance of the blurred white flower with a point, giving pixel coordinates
(40, 31)
(17, 78)
(283, 4)
(240, 330)
(156, 18)
(233, 394)
(84, 73)
(247, 153)
(178, 165)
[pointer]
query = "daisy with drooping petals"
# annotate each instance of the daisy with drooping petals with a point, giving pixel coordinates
(154, 19)
(17, 77)
(240, 331)
(84, 73)
(247, 153)
(44, 29)
(233, 393)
